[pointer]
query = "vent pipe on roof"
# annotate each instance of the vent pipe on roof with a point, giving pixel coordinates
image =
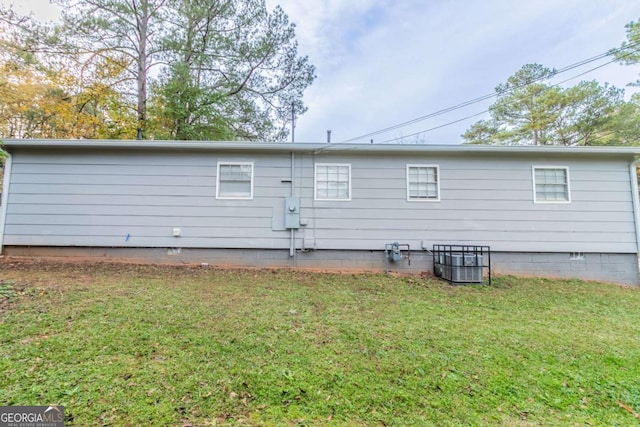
(328, 136)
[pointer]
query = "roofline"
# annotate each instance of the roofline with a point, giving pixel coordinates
(9, 144)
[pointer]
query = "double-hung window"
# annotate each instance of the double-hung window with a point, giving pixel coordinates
(235, 180)
(423, 183)
(332, 181)
(551, 184)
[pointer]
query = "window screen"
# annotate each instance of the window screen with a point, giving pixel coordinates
(422, 182)
(551, 184)
(235, 181)
(333, 181)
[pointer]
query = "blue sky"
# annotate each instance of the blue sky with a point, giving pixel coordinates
(382, 62)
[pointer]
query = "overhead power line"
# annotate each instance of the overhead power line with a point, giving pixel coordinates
(593, 69)
(486, 111)
(495, 93)
(438, 127)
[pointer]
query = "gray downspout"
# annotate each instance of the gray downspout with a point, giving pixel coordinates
(292, 246)
(5, 197)
(636, 206)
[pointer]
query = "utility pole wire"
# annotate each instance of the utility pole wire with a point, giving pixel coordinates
(487, 110)
(495, 93)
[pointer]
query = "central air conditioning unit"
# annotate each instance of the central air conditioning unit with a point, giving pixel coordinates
(462, 268)
(461, 263)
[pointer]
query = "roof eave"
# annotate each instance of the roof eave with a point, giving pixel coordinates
(10, 144)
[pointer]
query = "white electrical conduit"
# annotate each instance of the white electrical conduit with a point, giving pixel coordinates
(5, 197)
(292, 245)
(633, 176)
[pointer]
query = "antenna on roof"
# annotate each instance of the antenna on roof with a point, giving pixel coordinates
(293, 122)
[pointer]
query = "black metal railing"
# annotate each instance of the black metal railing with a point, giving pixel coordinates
(462, 263)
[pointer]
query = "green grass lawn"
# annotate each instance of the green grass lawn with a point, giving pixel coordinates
(180, 346)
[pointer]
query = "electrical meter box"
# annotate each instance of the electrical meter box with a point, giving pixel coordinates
(292, 212)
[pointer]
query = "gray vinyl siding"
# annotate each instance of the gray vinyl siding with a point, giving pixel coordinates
(84, 199)
(482, 201)
(99, 197)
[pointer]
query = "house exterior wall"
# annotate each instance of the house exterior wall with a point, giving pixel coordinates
(125, 199)
(483, 201)
(113, 198)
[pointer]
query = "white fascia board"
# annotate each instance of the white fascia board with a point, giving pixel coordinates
(318, 148)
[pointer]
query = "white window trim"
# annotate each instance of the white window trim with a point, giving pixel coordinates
(218, 196)
(315, 182)
(415, 165)
(533, 180)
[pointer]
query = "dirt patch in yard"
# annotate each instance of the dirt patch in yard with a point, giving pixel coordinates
(79, 266)
(82, 269)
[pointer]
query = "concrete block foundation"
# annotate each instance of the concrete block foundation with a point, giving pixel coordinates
(614, 268)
